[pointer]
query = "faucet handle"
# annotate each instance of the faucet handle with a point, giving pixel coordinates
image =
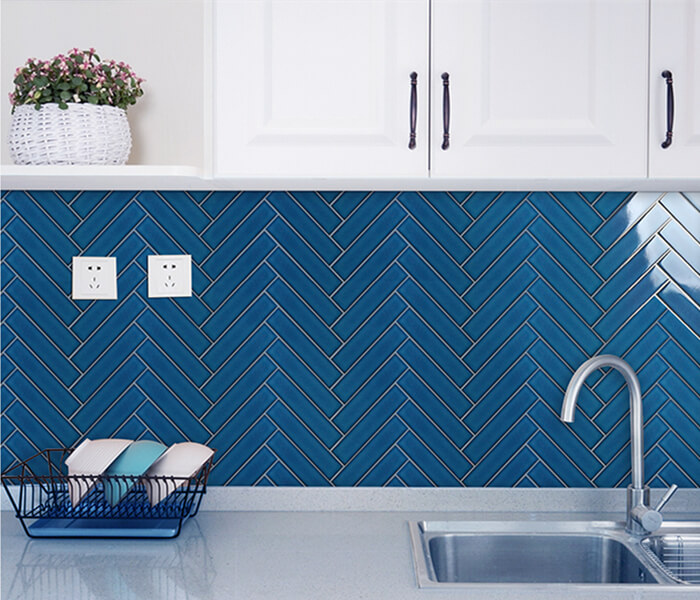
(651, 518)
(666, 497)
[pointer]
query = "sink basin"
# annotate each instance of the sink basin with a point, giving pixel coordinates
(521, 558)
(460, 554)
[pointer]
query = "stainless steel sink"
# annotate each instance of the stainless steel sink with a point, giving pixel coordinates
(460, 554)
(522, 558)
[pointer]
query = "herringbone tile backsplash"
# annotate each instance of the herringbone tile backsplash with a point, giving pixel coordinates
(402, 339)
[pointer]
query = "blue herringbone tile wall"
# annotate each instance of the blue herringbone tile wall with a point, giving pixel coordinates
(346, 339)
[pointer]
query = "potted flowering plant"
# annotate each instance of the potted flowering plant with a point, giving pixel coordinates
(71, 109)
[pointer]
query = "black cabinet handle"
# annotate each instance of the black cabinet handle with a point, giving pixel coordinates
(668, 76)
(414, 110)
(445, 111)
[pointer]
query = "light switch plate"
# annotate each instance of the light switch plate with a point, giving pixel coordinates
(94, 278)
(169, 275)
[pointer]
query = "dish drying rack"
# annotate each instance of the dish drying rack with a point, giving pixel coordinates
(38, 488)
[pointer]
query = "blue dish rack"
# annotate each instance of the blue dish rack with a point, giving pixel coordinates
(38, 488)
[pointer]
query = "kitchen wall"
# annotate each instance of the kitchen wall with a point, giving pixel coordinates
(403, 339)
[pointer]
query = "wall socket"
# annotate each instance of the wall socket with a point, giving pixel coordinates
(169, 275)
(94, 278)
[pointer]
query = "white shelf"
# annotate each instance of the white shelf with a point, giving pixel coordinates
(98, 177)
(168, 177)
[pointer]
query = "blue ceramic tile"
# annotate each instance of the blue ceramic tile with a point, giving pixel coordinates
(381, 381)
(510, 321)
(296, 462)
(360, 338)
(364, 461)
(441, 354)
(42, 253)
(632, 211)
(374, 358)
(178, 412)
(430, 281)
(303, 316)
(505, 207)
(363, 214)
(427, 462)
(434, 439)
(381, 260)
(501, 237)
(451, 211)
(580, 208)
(500, 453)
(435, 225)
(432, 375)
(246, 392)
(368, 425)
(40, 298)
(361, 247)
(254, 316)
(39, 221)
(304, 409)
(431, 252)
(188, 209)
(319, 209)
(106, 240)
(487, 436)
(569, 227)
(239, 361)
(432, 405)
(381, 320)
(304, 225)
(305, 379)
(304, 440)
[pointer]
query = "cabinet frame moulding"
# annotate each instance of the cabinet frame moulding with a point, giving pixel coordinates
(143, 177)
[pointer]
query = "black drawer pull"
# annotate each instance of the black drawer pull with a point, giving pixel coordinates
(668, 76)
(414, 110)
(445, 111)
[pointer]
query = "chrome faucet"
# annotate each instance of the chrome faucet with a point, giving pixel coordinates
(640, 517)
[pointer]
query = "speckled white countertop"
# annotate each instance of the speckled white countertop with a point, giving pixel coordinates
(296, 552)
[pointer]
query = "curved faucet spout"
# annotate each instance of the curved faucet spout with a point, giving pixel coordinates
(635, 394)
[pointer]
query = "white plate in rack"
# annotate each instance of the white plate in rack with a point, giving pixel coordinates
(89, 460)
(180, 461)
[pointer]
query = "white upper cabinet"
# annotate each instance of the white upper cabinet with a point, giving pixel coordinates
(320, 88)
(675, 47)
(540, 88)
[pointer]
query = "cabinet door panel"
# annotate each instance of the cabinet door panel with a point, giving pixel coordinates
(541, 88)
(319, 87)
(675, 46)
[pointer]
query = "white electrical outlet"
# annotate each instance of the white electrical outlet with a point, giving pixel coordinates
(169, 275)
(94, 278)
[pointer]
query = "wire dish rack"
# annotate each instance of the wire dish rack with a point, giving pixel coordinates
(679, 554)
(39, 490)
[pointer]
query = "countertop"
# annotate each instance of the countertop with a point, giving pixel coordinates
(265, 554)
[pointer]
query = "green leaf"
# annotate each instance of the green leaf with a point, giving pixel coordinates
(63, 86)
(83, 87)
(64, 95)
(76, 81)
(62, 105)
(93, 99)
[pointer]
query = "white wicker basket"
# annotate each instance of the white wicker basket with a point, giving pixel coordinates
(82, 134)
